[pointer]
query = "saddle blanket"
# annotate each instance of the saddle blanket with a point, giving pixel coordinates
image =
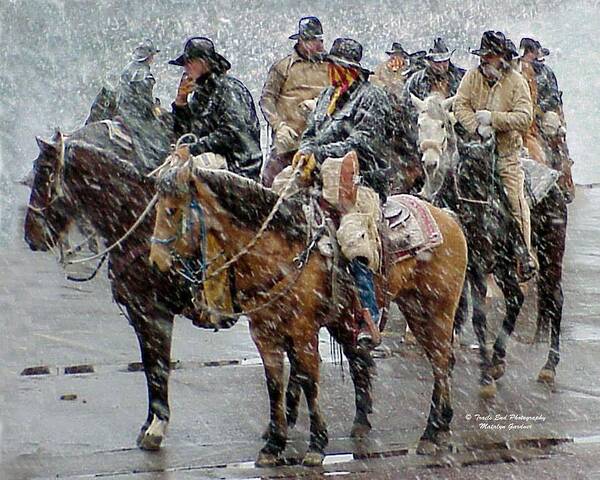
(411, 229)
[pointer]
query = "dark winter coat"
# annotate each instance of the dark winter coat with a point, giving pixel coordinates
(222, 115)
(136, 107)
(359, 124)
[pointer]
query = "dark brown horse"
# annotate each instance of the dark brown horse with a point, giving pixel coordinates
(88, 175)
(204, 206)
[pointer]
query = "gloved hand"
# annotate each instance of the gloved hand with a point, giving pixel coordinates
(286, 139)
(307, 162)
(484, 117)
(485, 131)
(307, 106)
(183, 151)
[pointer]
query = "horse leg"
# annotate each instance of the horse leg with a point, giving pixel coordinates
(154, 332)
(361, 365)
(292, 397)
(551, 247)
(307, 360)
(462, 312)
(435, 335)
(513, 297)
(438, 347)
(272, 358)
(477, 280)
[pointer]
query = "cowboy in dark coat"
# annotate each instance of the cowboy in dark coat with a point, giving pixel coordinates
(351, 115)
(220, 112)
(135, 105)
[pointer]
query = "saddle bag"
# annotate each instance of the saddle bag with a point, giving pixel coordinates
(340, 181)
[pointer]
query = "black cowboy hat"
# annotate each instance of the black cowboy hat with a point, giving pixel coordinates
(204, 48)
(309, 28)
(492, 43)
(439, 52)
(397, 50)
(144, 51)
(529, 44)
(347, 53)
(511, 48)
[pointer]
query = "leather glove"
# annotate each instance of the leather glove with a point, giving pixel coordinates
(307, 106)
(307, 162)
(485, 131)
(286, 139)
(484, 117)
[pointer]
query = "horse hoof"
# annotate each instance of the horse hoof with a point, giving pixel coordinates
(546, 376)
(313, 459)
(427, 447)
(266, 460)
(152, 437)
(488, 391)
(360, 430)
(498, 370)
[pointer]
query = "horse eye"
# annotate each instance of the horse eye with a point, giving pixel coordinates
(170, 211)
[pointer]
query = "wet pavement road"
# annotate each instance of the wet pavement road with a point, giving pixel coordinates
(81, 422)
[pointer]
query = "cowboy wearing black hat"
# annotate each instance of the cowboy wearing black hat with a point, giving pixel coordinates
(351, 115)
(494, 98)
(220, 111)
(290, 93)
(391, 74)
(440, 74)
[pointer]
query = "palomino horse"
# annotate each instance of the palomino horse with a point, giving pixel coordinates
(291, 303)
(463, 179)
(88, 175)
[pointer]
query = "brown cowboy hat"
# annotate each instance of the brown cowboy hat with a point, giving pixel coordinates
(347, 53)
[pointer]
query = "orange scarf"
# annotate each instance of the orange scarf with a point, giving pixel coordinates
(341, 78)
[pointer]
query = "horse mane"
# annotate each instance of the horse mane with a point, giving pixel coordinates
(248, 202)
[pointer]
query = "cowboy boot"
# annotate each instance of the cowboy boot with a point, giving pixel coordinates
(369, 335)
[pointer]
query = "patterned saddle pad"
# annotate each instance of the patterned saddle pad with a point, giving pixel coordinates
(410, 227)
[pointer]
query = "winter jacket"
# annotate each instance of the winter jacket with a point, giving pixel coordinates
(222, 115)
(359, 124)
(423, 83)
(508, 99)
(135, 105)
(290, 82)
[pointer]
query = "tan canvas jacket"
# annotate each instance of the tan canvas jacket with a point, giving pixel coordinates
(290, 82)
(508, 99)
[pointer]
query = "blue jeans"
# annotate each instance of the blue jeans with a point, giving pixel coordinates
(363, 278)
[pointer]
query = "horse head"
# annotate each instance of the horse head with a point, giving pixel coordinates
(173, 229)
(436, 140)
(104, 106)
(47, 219)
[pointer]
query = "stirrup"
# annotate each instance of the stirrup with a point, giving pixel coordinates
(526, 270)
(369, 336)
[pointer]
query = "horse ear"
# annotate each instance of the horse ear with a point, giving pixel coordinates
(44, 145)
(447, 103)
(417, 102)
(57, 138)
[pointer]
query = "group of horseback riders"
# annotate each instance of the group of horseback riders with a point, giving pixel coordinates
(322, 105)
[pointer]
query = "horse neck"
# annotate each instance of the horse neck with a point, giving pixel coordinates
(109, 192)
(267, 252)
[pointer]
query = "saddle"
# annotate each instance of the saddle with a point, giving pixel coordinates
(409, 228)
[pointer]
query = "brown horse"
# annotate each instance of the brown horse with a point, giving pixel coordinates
(426, 288)
(89, 175)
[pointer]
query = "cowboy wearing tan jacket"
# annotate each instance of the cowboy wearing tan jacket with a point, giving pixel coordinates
(290, 92)
(494, 97)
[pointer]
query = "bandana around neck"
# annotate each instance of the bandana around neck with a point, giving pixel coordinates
(341, 78)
